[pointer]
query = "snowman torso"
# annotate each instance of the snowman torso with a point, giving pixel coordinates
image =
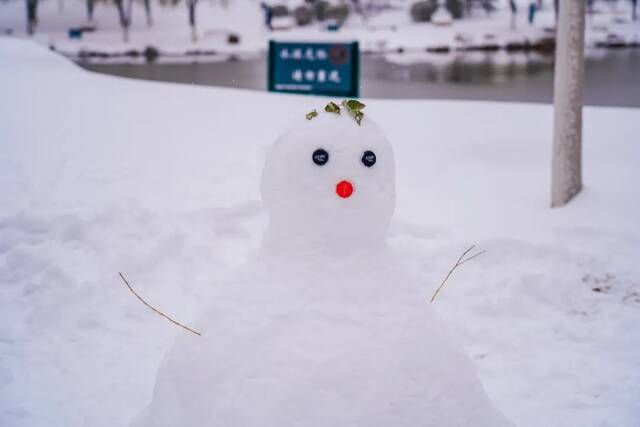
(323, 327)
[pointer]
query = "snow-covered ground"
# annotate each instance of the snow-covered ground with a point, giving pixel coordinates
(387, 31)
(161, 181)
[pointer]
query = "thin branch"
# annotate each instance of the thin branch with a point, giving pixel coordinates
(472, 257)
(155, 309)
(461, 260)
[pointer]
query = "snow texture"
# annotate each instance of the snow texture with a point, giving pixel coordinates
(160, 181)
(323, 328)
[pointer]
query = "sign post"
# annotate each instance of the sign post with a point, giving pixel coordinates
(314, 68)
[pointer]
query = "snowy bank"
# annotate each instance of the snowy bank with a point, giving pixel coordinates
(389, 31)
(161, 181)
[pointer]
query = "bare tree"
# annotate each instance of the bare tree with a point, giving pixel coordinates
(191, 4)
(147, 12)
(359, 9)
(124, 16)
(90, 8)
(32, 16)
(514, 11)
(566, 169)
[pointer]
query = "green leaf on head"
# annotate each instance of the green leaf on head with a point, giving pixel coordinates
(353, 104)
(332, 107)
(358, 115)
(355, 108)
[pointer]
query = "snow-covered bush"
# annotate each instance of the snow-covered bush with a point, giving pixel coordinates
(325, 10)
(455, 8)
(279, 10)
(340, 13)
(303, 15)
(422, 11)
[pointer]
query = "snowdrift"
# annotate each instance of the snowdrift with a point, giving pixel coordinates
(101, 174)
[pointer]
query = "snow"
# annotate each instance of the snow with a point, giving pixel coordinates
(160, 181)
(384, 32)
(300, 196)
(322, 345)
(343, 334)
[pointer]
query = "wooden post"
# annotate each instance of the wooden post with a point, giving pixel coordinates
(566, 170)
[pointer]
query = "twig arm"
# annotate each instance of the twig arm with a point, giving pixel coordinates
(155, 309)
(461, 260)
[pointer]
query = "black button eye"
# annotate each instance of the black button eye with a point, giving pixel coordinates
(368, 158)
(320, 157)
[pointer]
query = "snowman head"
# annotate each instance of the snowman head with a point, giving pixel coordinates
(329, 181)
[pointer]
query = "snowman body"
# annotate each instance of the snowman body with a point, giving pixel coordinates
(323, 327)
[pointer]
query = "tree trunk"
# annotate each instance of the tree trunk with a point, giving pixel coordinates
(192, 19)
(514, 11)
(129, 15)
(32, 16)
(147, 11)
(90, 7)
(124, 17)
(566, 169)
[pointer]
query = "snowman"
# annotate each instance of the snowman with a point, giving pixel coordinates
(324, 327)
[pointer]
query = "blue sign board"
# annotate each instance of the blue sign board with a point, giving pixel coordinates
(315, 68)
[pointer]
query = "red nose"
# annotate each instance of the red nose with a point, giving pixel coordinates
(344, 189)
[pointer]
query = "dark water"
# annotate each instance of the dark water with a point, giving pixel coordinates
(612, 76)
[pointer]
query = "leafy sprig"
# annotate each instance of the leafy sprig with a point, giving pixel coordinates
(353, 106)
(332, 107)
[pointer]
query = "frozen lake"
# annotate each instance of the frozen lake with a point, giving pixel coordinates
(613, 76)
